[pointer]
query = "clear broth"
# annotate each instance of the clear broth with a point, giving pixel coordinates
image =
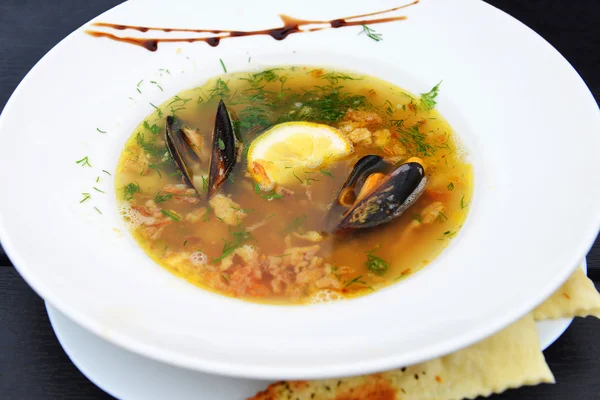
(185, 236)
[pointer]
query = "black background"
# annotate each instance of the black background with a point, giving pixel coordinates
(32, 363)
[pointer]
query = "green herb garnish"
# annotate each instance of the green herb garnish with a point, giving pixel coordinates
(98, 190)
(428, 99)
(223, 65)
(130, 189)
(370, 32)
(101, 131)
(161, 198)
(157, 85)
(153, 129)
(450, 186)
(325, 172)
(99, 212)
(160, 114)
(86, 196)
(374, 263)
(463, 205)
(84, 162)
(221, 144)
(171, 214)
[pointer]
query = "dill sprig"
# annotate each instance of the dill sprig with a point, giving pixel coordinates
(428, 99)
(130, 189)
(370, 32)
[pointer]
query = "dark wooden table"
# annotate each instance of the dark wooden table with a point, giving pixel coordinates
(32, 363)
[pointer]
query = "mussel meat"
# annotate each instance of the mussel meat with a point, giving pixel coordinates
(376, 192)
(181, 138)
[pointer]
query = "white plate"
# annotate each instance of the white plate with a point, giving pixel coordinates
(524, 114)
(128, 376)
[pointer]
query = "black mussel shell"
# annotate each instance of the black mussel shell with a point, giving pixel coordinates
(177, 146)
(224, 149)
(397, 192)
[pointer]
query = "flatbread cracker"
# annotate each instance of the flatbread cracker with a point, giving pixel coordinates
(509, 359)
(577, 297)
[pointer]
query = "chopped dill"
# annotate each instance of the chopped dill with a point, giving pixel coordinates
(412, 139)
(97, 179)
(86, 196)
(177, 99)
(221, 89)
(155, 168)
(84, 162)
(463, 205)
(449, 234)
(450, 186)
(268, 75)
(335, 77)
(153, 129)
(99, 212)
(441, 217)
(185, 243)
(229, 246)
(296, 176)
(388, 110)
(98, 190)
(160, 114)
(428, 99)
(106, 172)
(370, 32)
(221, 144)
(130, 189)
(418, 218)
(325, 172)
(357, 280)
(249, 59)
(161, 198)
(171, 214)
(374, 263)
(100, 130)
(157, 85)
(147, 146)
(223, 65)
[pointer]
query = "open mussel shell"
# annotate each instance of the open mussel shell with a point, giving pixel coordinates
(224, 148)
(176, 146)
(366, 166)
(395, 193)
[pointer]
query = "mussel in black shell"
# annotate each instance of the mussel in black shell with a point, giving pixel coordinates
(180, 139)
(376, 192)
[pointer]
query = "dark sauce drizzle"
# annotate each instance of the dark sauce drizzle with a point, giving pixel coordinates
(290, 25)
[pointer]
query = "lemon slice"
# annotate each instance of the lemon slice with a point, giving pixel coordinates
(281, 152)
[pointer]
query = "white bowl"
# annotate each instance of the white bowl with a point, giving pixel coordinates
(528, 121)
